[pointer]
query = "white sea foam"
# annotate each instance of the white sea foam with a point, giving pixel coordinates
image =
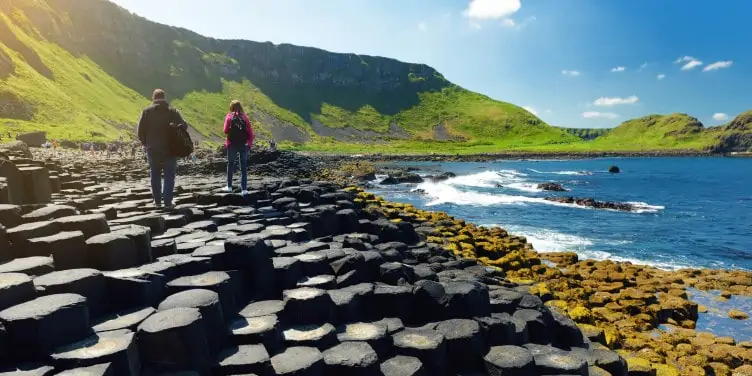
(544, 241)
(644, 207)
(562, 172)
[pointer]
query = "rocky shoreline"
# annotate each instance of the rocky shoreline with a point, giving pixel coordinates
(488, 157)
(311, 277)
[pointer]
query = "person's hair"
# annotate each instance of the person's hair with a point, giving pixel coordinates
(158, 94)
(235, 106)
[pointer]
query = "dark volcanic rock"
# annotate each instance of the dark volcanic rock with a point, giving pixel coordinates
(553, 187)
(614, 169)
(592, 203)
(37, 327)
(174, 340)
(402, 178)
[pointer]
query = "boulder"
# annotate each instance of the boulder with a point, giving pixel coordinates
(553, 187)
(35, 139)
(614, 169)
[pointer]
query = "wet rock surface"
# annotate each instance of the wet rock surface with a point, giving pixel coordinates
(593, 203)
(299, 277)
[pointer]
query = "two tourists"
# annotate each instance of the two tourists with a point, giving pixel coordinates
(239, 141)
(154, 129)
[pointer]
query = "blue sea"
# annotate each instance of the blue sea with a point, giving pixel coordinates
(690, 212)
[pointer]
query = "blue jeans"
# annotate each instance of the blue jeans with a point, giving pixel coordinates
(233, 152)
(162, 162)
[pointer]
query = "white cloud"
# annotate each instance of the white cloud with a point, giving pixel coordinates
(613, 101)
(570, 73)
(618, 69)
(530, 110)
(718, 65)
(644, 65)
(660, 76)
(601, 115)
(492, 9)
(689, 63)
(475, 25)
(508, 22)
(720, 116)
(422, 26)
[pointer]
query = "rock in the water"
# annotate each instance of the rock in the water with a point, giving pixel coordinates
(402, 178)
(592, 203)
(614, 169)
(553, 187)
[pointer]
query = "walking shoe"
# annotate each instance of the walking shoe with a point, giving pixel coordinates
(244, 192)
(169, 207)
(227, 189)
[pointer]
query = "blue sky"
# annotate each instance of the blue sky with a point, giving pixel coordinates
(575, 63)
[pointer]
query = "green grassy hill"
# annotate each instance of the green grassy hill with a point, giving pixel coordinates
(83, 69)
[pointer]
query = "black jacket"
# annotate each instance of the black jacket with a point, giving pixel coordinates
(153, 126)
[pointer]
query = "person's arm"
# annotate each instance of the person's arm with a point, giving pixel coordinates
(228, 119)
(179, 119)
(141, 128)
(250, 131)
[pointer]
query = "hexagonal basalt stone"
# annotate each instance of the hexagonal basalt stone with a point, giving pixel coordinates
(260, 329)
(89, 283)
(37, 327)
(174, 340)
(427, 345)
(219, 282)
(129, 319)
(116, 347)
(307, 306)
(15, 288)
(262, 308)
(509, 360)
(560, 364)
(403, 366)
(351, 358)
(112, 252)
(299, 361)
(28, 370)
(465, 344)
(96, 370)
(32, 266)
(319, 336)
(244, 359)
(372, 333)
(212, 317)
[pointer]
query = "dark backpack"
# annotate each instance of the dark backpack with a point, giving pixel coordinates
(179, 141)
(238, 133)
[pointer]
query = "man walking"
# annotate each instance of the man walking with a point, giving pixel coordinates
(153, 132)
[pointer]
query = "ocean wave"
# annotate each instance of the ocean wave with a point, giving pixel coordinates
(527, 187)
(576, 173)
(448, 193)
(644, 207)
(548, 241)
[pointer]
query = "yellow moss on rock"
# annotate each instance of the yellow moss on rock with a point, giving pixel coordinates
(581, 314)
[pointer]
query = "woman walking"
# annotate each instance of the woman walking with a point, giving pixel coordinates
(239, 141)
